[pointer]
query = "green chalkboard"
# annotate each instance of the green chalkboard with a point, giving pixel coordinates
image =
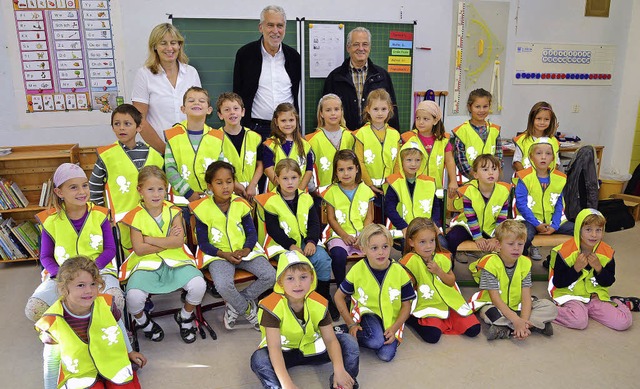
(211, 45)
(380, 52)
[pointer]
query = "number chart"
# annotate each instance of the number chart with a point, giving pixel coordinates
(66, 54)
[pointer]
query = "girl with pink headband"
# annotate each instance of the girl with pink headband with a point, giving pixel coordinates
(73, 227)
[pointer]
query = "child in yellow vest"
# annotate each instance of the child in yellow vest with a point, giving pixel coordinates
(485, 203)
(191, 147)
(89, 332)
(432, 140)
(581, 272)
(292, 223)
(286, 141)
(349, 209)
(285, 343)
(408, 194)
(330, 137)
(227, 240)
(476, 136)
(377, 145)
(504, 299)
(440, 307)
(115, 173)
(241, 147)
(539, 198)
(160, 262)
(381, 294)
(542, 122)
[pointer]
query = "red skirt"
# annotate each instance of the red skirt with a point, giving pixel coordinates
(455, 324)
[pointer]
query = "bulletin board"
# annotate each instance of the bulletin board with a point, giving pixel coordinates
(563, 64)
(391, 48)
(66, 55)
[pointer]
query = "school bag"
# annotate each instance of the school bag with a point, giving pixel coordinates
(633, 187)
(581, 189)
(617, 215)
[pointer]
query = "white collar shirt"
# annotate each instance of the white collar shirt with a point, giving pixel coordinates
(274, 86)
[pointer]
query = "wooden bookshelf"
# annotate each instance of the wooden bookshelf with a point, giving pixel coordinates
(30, 167)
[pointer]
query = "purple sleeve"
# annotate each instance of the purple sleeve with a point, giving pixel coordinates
(46, 255)
(310, 161)
(108, 245)
(250, 233)
(268, 158)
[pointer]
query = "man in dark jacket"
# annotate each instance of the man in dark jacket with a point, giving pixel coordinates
(357, 77)
(267, 72)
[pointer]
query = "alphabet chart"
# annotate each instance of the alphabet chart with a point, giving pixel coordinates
(66, 53)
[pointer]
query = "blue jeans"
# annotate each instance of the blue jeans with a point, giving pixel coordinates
(261, 364)
(372, 337)
(321, 262)
(565, 228)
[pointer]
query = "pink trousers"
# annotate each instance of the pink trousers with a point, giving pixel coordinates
(576, 314)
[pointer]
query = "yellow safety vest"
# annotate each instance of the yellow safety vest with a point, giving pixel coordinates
(192, 165)
(245, 162)
(69, 243)
(279, 154)
(510, 290)
(486, 212)
(586, 284)
(105, 354)
(141, 220)
(122, 178)
(324, 152)
(420, 205)
(349, 214)
(473, 144)
(294, 225)
(434, 296)
(379, 157)
(432, 163)
(542, 202)
(369, 297)
(524, 143)
(225, 230)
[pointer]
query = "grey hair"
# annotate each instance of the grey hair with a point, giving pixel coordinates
(358, 29)
(275, 8)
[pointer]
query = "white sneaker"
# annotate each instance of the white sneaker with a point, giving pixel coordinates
(534, 253)
(230, 317)
(252, 316)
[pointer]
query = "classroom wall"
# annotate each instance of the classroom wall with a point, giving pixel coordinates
(606, 117)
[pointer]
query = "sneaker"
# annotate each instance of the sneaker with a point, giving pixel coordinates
(148, 305)
(548, 329)
(230, 317)
(534, 253)
(252, 316)
(498, 332)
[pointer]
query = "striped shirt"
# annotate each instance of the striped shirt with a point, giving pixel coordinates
(472, 218)
(138, 156)
(460, 157)
(489, 282)
(179, 184)
(80, 324)
(359, 75)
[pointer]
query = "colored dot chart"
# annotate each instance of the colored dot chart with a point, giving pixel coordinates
(66, 54)
(564, 64)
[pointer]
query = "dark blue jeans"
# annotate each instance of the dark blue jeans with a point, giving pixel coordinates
(372, 337)
(261, 364)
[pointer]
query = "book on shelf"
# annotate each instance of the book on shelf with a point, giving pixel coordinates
(29, 232)
(13, 242)
(19, 195)
(46, 194)
(11, 195)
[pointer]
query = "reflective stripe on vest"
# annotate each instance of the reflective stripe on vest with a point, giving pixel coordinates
(510, 290)
(294, 335)
(191, 164)
(70, 243)
(434, 297)
(473, 144)
(349, 214)
(225, 231)
(140, 219)
(486, 212)
(105, 354)
(370, 298)
(379, 156)
(543, 202)
(324, 152)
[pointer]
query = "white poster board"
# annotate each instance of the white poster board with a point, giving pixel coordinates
(563, 64)
(326, 48)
